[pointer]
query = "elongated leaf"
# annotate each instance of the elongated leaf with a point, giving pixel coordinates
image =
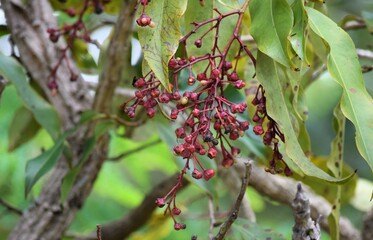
(197, 13)
(335, 164)
(343, 65)
(43, 112)
(267, 73)
(161, 42)
(297, 37)
(23, 128)
(271, 24)
(39, 166)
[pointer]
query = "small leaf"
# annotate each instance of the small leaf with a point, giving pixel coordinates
(39, 166)
(23, 128)
(343, 65)
(277, 108)
(271, 24)
(43, 112)
(161, 42)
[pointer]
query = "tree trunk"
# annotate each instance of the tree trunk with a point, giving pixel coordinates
(48, 217)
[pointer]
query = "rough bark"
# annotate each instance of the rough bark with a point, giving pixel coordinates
(48, 217)
(367, 232)
(283, 190)
(304, 228)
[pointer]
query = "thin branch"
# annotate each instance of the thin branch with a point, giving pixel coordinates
(10, 208)
(124, 92)
(121, 121)
(211, 216)
(135, 150)
(115, 61)
(98, 232)
(234, 214)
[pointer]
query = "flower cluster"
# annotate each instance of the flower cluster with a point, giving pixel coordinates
(209, 119)
(271, 135)
(144, 20)
(76, 30)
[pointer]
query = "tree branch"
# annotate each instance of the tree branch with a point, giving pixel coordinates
(304, 227)
(234, 214)
(28, 21)
(282, 189)
(367, 231)
(122, 228)
(232, 181)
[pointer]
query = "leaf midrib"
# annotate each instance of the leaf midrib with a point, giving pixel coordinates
(331, 55)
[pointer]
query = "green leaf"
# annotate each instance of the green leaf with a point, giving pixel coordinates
(368, 18)
(23, 128)
(197, 13)
(161, 42)
(271, 24)
(43, 112)
(277, 108)
(297, 37)
(39, 166)
(343, 65)
(335, 163)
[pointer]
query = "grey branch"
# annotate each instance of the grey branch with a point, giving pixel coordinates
(28, 21)
(304, 228)
(283, 189)
(367, 232)
(122, 228)
(234, 214)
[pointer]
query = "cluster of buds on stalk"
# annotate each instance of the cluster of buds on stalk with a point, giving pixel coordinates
(144, 20)
(209, 120)
(76, 30)
(271, 135)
